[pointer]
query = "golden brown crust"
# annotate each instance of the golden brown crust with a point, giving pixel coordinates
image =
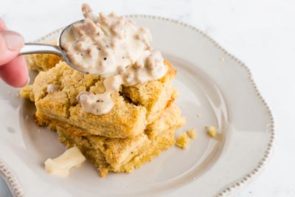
(94, 150)
(116, 154)
(27, 93)
(140, 126)
(42, 62)
(155, 96)
(126, 119)
(170, 116)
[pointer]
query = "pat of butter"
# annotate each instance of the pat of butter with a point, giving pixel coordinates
(61, 165)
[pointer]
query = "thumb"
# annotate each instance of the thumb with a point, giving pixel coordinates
(10, 44)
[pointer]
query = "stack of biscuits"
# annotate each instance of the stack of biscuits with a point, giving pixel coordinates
(139, 127)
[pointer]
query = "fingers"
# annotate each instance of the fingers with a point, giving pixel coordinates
(13, 69)
(15, 73)
(10, 44)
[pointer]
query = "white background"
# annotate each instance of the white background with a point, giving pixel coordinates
(261, 33)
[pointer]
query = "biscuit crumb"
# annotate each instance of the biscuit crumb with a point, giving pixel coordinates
(103, 172)
(191, 133)
(211, 131)
(185, 138)
(183, 141)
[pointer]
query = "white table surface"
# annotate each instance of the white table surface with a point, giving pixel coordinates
(258, 32)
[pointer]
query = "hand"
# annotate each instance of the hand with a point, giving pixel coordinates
(13, 68)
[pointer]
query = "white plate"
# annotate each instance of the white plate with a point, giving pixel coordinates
(214, 89)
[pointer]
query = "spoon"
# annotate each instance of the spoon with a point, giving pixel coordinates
(33, 48)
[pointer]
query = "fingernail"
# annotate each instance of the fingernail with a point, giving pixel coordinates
(13, 40)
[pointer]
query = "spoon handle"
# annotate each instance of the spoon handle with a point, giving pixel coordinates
(32, 48)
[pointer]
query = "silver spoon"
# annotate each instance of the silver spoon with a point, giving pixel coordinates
(33, 48)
